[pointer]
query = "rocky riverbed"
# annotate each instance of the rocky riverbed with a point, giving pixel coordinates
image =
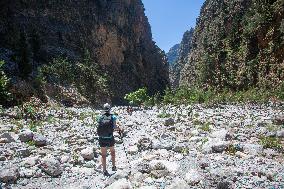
(221, 146)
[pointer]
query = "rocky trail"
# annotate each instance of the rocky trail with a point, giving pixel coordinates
(223, 146)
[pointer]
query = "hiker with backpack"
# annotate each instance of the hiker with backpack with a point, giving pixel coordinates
(107, 125)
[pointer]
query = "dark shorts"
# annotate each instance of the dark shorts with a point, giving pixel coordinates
(106, 142)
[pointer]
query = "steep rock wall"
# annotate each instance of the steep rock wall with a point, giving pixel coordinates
(237, 44)
(116, 33)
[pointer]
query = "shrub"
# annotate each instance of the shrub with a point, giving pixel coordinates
(84, 76)
(271, 142)
(137, 97)
(232, 149)
(197, 122)
(153, 100)
(209, 96)
(32, 109)
(30, 143)
(164, 115)
(4, 82)
(206, 127)
(59, 71)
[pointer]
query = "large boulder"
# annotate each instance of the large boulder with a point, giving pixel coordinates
(51, 166)
(132, 149)
(214, 145)
(144, 144)
(26, 135)
(193, 177)
(253, 149)
(7, 138)
(222, 134)
(39, 140)
(144, 167)
(148, 187)
(220, 146)
(30, 162)
(278, 120)
(23, 152)
(27, 173)
(169, 122)
(9, 175)
(88, 154)
(117, 176)
(120, 184)
(178, 184)
(280, 133)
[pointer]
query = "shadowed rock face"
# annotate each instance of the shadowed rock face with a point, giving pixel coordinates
(116, 33)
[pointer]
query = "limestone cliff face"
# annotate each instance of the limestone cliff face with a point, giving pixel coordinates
(173, 54)
(182, 59)
(236, 45)
(116, 33)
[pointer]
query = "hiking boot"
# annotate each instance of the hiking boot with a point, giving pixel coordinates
(106, 174)
(114, 168)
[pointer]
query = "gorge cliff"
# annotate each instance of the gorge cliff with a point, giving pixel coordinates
(182, 58)
(237, 45)
(115, 34)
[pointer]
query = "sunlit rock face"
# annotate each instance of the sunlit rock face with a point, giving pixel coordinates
(236, 44)
(182, 58)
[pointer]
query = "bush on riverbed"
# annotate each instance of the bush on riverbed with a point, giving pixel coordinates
(194, 95)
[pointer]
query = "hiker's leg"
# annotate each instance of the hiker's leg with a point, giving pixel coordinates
(104, 152)
(112, 153)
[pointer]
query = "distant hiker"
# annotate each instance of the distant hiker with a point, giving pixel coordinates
(107, 124)
(129, 110)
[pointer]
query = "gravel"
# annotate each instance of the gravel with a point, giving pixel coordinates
(173, 152)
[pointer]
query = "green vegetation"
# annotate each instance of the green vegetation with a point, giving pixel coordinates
(137, 97)
(50, 119)
(31, 143)
(34, 125)
(206, 127)
(4, 82)
(204, 140)
(75, 157)
(185, 151)
(2, 110)
(85, 76)
(19, 126)
(273, 128)
(232, 149)
(191, 96)
(197, 122)
(31, 110)
(164, 115)
(237, 50)
(271, 142)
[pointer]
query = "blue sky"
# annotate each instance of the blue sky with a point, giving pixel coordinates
(169, 19)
